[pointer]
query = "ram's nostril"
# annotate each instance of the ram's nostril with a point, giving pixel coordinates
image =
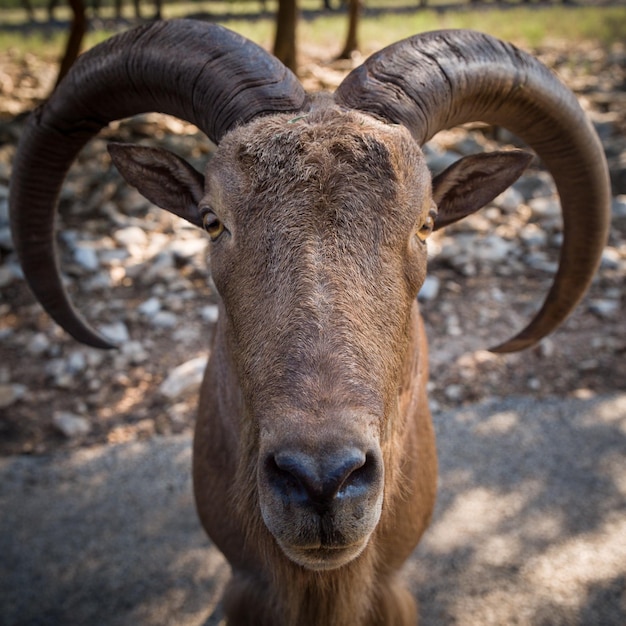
(300, 477)
(345, 469)
(360, 480)
(286, 477)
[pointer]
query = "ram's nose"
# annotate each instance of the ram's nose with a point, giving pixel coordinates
(303, 479)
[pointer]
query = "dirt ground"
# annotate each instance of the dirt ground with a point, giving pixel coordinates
(119, 396)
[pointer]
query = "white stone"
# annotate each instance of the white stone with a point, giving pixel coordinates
(467, 145)
(453, 327)
(4, 212)
(55, 368)
(130, 236)
(440, 162)
(533, 236)
(619, 206)
(116, 332)
(534, 384)
(76, 362)
(95, 358)
(164, 319)
(611, 258)
(539, 260)
(210, 313)
(497, 294)
(99, 281)
(604, 308)
(134, 352)
(70, 425)
(535, 185)
(6, 276)
(509, 200)
(13, 264)
(86, 257)
(187, 248)
(114, 256)
(455, 249)
(161, 268)
(6, 240)
(150, 307)
(493, 248)
(38, 344)
(184, 378)
(454, 393)
(429, 289)
(10, 394)
(546, 348)
(545, 207)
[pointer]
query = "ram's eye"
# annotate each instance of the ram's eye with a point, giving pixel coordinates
(427, 227)
(212, 225)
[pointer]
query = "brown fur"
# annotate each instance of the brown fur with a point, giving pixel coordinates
(322, 318)
(319, 357)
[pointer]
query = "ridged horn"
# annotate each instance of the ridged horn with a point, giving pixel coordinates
(441, 79)
(198, 72)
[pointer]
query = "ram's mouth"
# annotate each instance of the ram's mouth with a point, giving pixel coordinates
(323, 558)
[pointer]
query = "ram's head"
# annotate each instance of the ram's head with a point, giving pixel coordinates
(317, 209)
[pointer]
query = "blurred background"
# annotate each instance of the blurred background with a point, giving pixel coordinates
(530, 528)
(141, 275)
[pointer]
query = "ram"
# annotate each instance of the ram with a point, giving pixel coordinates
(314, 457)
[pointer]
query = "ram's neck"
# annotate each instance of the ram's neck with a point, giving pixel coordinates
(366, 591)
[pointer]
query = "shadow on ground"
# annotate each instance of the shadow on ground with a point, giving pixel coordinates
(531, 516)
(529, 527)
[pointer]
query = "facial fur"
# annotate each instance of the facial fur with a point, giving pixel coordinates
(320, 215)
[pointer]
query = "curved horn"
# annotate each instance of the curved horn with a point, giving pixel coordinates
(199, 72)
(445, 78)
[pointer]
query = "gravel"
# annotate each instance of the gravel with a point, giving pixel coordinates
(141, 276)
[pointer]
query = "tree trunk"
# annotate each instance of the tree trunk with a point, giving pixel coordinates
(52, 4)
(285, 41)
(29, 9)
(75, 39)
(354, 12)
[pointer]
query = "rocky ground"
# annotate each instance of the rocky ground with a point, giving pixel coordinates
(141, 276)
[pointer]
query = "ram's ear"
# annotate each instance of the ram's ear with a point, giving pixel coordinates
(162, 177)
(472, 182)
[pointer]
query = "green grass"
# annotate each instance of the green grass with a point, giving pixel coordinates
(528, 26)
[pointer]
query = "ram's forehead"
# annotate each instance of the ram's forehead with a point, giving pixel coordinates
(328, 149)
(333, 131)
